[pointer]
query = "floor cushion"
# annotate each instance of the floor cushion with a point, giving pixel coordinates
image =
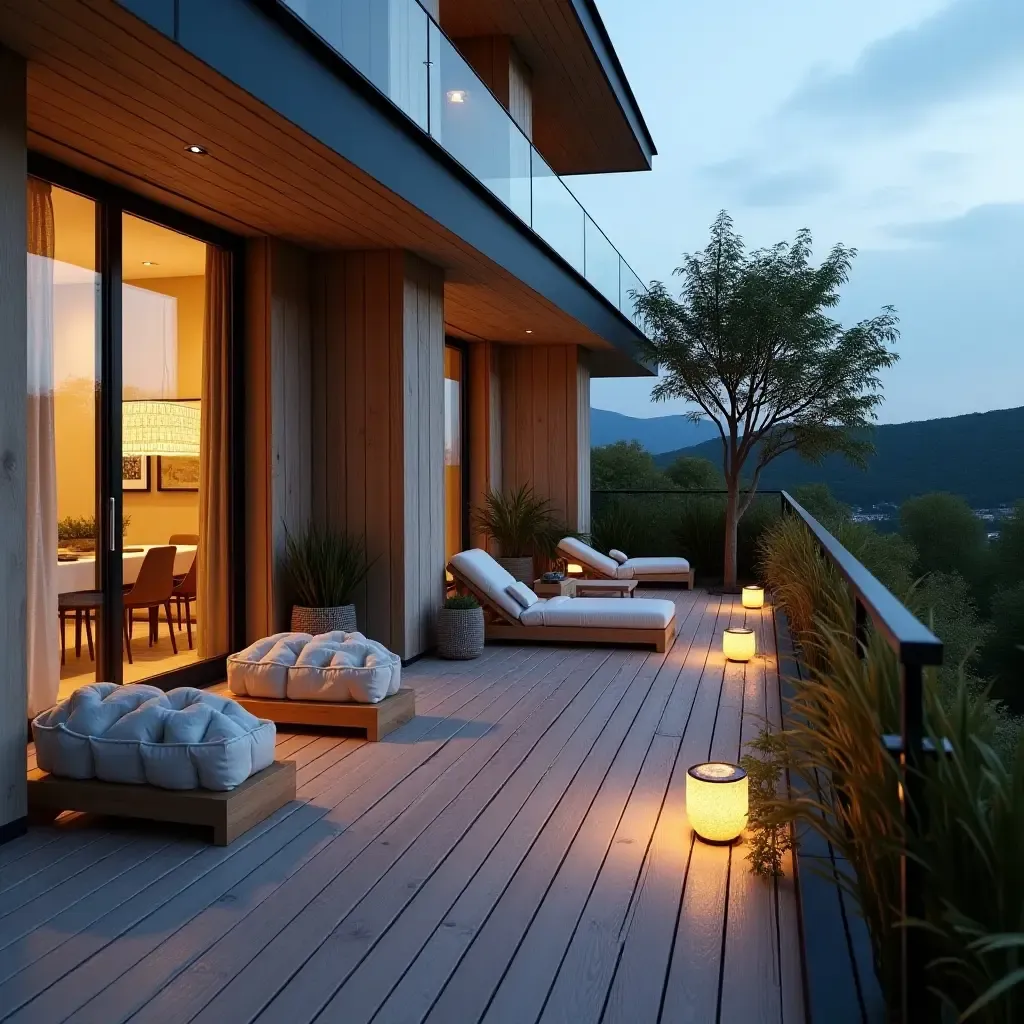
(336, 667)
(183, 739)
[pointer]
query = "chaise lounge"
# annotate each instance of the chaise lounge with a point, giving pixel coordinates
(616, 566)
(513, 612)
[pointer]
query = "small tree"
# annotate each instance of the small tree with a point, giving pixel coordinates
(692, 473)
(623, 465)
(750, 343)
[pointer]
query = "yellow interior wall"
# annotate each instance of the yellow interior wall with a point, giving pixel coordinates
(155, 515)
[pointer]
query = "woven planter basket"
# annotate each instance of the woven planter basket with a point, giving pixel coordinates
(323, 620)
(519, 568)
(460, 633)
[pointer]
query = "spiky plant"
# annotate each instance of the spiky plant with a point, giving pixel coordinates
(461, 603)
(517, 520)
(324, 565)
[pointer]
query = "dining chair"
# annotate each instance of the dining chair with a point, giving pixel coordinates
(83, 603)
(184, 593)
(151, 590)
(182, 540)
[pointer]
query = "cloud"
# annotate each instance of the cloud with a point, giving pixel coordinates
(754, 185)
(994, 226)
(963, 49)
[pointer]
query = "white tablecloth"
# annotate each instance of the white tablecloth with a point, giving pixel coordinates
(81, 575)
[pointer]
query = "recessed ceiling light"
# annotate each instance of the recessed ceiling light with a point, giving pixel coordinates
(150, 263)
(529, 332)
(456, 95)
(198, 150)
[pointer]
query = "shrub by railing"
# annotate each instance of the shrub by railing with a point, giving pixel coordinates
(934, 836)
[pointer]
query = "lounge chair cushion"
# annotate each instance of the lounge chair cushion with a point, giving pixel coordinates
(638, 613)
(577, 551)
(488, 577)
(521, 594)
(183, 739)
(641, 567)
(619, 556)
(336, 667)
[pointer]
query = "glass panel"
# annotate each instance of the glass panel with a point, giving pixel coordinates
(163, 345)
(476, 129)
(557, 216)
(602, 258)
(63, 379)
(384, 39)
(629, 282)
(453, 470)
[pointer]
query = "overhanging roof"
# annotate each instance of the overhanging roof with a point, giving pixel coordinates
(585, 117)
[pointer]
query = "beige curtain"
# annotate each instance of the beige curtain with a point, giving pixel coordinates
(213, 579)
(43, 637)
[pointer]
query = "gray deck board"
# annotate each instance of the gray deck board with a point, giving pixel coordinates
(519, 852)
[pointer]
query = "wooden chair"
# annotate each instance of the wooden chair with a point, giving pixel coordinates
(152, 590)
(180, 540)
(184, 593)
(83, 603)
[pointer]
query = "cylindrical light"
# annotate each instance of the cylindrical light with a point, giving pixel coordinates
(572, 569)
(154, 427)
(716, 801)
(753, 597)
(739, 644)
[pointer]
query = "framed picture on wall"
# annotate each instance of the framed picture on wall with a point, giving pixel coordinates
(135, 472)
(177, 473)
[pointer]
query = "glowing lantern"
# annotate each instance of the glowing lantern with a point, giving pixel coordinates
(572, 569)
(739, 644)
(753, 597)
(716, 801)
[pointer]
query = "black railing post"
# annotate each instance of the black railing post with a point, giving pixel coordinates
(914, 994)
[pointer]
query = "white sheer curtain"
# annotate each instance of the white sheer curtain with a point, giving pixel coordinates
(41, 535)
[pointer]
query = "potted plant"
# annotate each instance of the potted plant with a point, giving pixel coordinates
(78, 533)
(460, 628)
(325, 566)
(520, 524)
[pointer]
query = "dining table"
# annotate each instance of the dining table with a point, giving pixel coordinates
(81, 573)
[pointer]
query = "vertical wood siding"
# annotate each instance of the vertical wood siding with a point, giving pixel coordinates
(13, 451)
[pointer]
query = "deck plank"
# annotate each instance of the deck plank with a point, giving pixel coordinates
(519, 852)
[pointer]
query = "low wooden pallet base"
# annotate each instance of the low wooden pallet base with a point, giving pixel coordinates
(229, 814)
(376, 719)
(659, 639)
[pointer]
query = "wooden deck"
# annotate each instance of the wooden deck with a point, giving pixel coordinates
(519, 852)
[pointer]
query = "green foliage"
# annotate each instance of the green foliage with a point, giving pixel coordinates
(520, 522)
(768, 838)
(695, 474)
(1008, 550)
(72, 528)
(819, 501)
(948, 536)
(750, 342)
(973, 799)
(461, 602)
(624, 465)
(1003, 654)
(324, 565)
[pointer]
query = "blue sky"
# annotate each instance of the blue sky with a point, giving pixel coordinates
(896, 126)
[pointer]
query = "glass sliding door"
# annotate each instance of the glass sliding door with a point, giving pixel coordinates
(455, 490)
(131, 468)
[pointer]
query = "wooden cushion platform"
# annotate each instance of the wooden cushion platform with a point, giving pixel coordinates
(376, 720)
(228, 813)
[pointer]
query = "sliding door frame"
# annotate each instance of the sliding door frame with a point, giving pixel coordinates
(462, 348)
(112, 202)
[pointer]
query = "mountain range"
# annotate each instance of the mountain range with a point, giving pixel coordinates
(657, 434)
(979, 456)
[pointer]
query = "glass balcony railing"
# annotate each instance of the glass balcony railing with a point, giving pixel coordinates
(402, 51)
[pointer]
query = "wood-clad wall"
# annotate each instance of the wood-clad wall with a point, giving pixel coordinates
(545, 425)
(497, 61)
(484, 385)
(279, 423)
(13, 445)
(378, 431)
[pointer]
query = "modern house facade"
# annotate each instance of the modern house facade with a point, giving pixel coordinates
(288, 261)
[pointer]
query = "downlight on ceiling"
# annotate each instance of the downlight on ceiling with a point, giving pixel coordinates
(150, 263)
(197, 150)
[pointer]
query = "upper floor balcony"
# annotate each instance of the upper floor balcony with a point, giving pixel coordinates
(398, 47)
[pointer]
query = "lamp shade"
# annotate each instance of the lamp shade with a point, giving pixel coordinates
(716, 800)
(753, 597)
(572, 569)
(155, 427)
(739, 644)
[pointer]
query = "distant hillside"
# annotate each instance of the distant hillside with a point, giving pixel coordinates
(657, 434)
(979, 456)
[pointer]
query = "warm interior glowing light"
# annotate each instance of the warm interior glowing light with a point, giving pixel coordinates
(739, 644)
(716, 801)
(456, 95)
(449, 578)
(572, 569)
(753, 597)
(155, 427)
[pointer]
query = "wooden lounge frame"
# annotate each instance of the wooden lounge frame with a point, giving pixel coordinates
(376, 720)
(593, 572)
(229, 813)
(499, 625)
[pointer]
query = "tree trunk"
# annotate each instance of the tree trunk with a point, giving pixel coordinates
(729, 581)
